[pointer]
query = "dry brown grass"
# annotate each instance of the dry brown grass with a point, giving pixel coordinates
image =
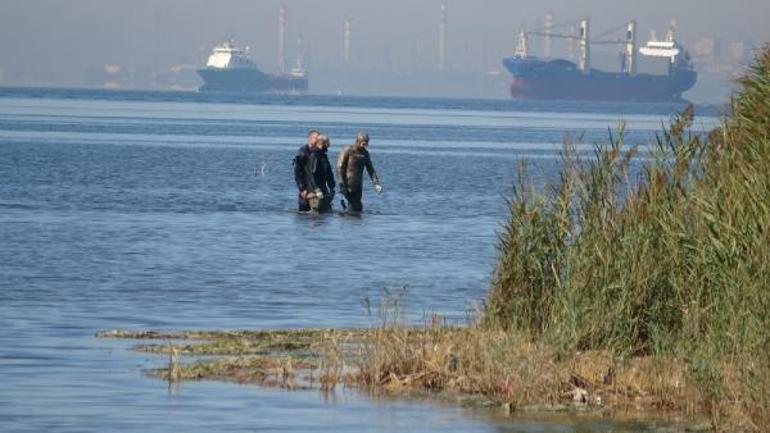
(518, 373)
(460, 360)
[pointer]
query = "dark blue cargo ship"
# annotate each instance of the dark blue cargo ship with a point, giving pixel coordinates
(536, 78)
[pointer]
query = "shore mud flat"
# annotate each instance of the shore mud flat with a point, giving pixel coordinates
(586, 384)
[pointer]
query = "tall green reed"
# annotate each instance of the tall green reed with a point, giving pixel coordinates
(672, 261)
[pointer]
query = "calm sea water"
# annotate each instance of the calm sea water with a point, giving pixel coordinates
(175, 211)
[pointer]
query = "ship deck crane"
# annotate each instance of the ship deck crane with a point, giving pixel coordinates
(628, 57)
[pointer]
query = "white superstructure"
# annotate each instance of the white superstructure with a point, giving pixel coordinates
(669, 48)
(227, 56)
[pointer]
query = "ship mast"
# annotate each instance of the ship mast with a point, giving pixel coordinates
(584, 62)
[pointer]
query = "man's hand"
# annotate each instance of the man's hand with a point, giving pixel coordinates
(303, 194)
(378, 188)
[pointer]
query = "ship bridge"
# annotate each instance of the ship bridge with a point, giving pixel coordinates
(669, 48)
(227, 56)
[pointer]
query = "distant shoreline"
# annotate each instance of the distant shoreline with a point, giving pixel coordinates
(489, 104)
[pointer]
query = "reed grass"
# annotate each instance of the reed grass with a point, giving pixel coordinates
(673, 262)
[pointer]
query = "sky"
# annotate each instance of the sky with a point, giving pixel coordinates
(48, 39)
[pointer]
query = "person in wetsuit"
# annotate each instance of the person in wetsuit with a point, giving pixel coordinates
(302, 176)
(322, 176)
(350, 170)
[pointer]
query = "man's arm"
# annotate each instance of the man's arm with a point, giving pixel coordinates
(370, 169)
(329, 174)
(342, 167)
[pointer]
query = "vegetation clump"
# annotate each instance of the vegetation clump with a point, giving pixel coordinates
(671, 262)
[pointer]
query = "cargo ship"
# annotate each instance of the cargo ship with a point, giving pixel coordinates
(542, 78)
(229, 69)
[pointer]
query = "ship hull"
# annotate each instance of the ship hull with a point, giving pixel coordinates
(561, 79)
(286, 83)
(243, 80)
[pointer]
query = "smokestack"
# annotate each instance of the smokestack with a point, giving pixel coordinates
(282, 38)
(547, 36)
(442, 37)
(300, 54)
(346, 42)
(584, 62)
(157, 41)
(630, 56)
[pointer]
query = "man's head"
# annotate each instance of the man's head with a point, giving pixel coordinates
(362, 139)
(322, 142)
(312, 137)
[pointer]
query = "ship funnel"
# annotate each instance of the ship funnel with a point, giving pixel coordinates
(521, 46)
(630, 55)
(671, 31)
(584, 62)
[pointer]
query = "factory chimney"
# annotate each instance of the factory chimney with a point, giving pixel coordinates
(346, 42)
(547, 36)
(630, 54)
(584, 61)
(442, 37)
(282, 39)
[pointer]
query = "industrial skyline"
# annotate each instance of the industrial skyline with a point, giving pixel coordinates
(47, 42)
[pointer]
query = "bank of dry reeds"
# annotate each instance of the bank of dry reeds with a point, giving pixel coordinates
(507, 368)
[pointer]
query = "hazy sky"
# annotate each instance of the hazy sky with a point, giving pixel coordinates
(69, 36)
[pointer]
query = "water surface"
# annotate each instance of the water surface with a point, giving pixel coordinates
(176, 211)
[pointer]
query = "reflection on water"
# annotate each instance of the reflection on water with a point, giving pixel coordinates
(146, 214)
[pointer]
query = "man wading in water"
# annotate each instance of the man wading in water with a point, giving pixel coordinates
(301, 170)
(350, 171)
(321, 177)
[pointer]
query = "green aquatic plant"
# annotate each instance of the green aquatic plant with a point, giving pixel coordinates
(674, 261)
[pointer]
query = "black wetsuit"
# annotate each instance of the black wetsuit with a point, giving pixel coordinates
(322, 177)
(302, 176)
(350, 169)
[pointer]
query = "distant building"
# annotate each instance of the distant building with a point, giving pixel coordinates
(740, 52)
(708, 47)
(115, 76)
